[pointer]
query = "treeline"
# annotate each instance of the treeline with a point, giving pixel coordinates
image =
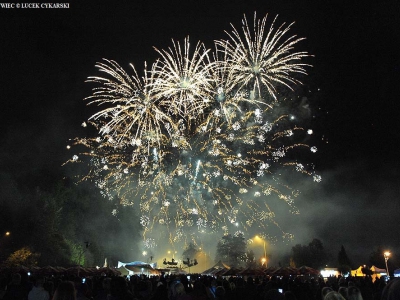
(67, 225)
(232, 249)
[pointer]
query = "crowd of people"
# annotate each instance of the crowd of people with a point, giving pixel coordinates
(19, 286)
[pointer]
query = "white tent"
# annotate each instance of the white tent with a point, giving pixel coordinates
(139, 267)
(219, 266)
(124, 271)
(138, 264)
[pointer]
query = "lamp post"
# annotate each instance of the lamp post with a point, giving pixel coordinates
(264, 259)
(386, 256)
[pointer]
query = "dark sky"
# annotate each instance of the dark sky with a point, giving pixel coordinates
(46, 55)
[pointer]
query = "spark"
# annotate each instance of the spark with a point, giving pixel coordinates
(313, 149)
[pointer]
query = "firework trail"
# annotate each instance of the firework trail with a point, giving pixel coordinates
(196, 143)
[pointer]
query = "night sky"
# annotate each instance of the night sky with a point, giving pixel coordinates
(46, 55)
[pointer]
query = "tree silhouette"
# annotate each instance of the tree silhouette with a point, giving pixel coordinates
(190, 251)
(22, 257)
(251, 261)
(232, 250)
(344, 263)
(313, 255)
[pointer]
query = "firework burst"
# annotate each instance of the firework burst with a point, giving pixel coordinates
(262, 59)
(197, 145)
(183, 82)
(131, 113)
